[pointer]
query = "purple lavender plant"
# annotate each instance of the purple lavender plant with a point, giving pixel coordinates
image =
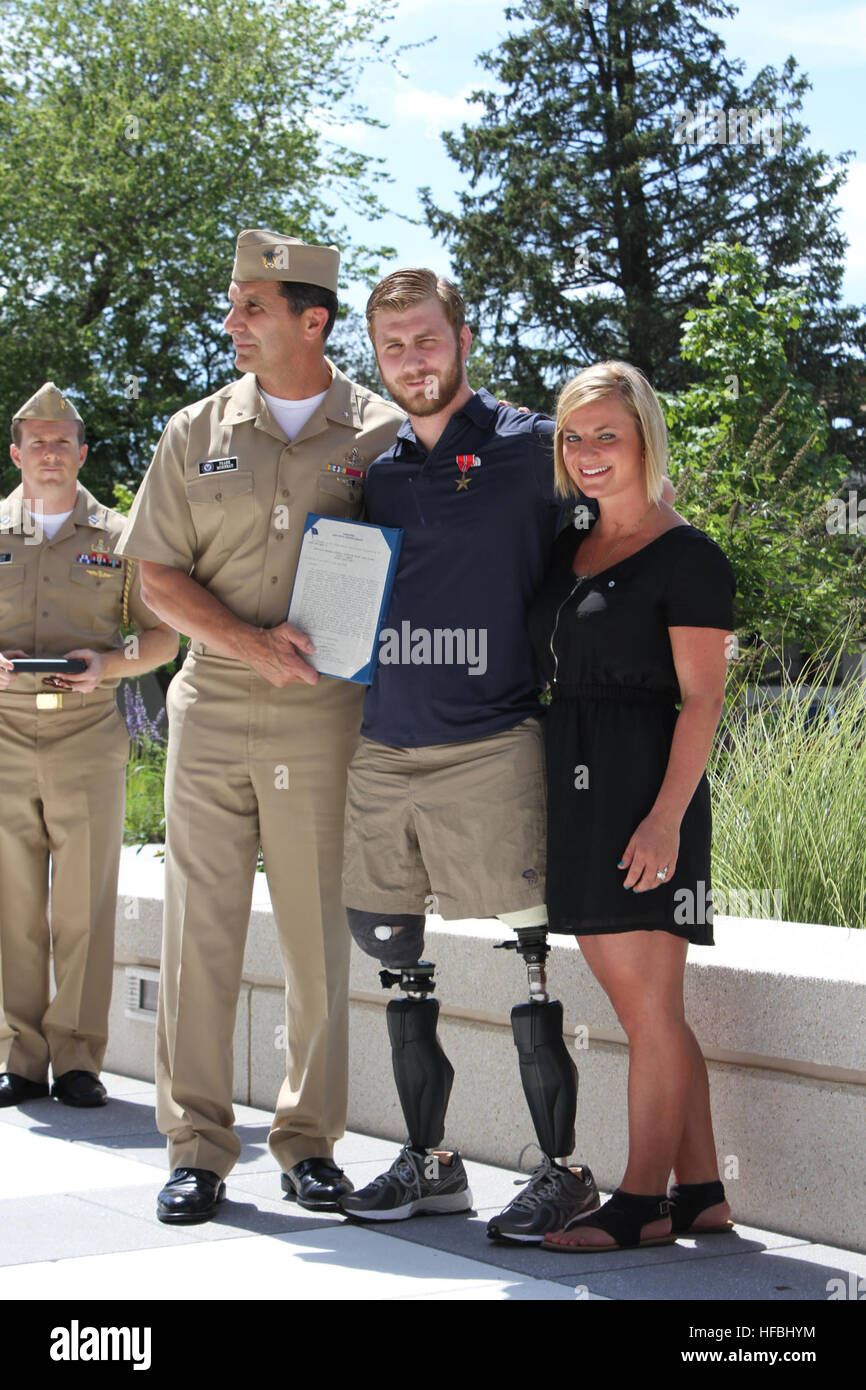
(143, 731)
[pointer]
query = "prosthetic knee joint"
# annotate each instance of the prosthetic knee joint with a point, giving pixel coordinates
(422, 1072)
(547, 1072)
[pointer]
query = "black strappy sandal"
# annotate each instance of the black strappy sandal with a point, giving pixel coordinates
(688, 1200)
(623, 1216)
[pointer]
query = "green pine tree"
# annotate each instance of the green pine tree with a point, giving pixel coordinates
(593, 197)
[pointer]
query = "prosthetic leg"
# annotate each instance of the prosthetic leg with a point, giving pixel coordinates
(422, 1072)
(555, 1193)
(547, 1072)
(423, 1178)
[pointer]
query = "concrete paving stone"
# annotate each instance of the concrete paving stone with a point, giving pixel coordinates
(117, 1085)
(36, 1166)
(325, 1264)
(55, 1121)
(147, 1149)
(94, 1226)
(30, 1115)
(241, 1214)
(781, 1275)
(57, 1228)
(467, 1235)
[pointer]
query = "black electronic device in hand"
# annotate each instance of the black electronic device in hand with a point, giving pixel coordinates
(72, 665)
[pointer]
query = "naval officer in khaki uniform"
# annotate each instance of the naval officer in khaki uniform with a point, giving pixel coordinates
(258, 743)
(63, 752)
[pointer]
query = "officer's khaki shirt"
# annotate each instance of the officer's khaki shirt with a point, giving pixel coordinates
(66, 593)
(226, 495)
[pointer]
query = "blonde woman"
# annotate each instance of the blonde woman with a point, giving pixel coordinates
(631, 622)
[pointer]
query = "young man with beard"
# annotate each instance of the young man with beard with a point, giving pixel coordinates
(446, 791)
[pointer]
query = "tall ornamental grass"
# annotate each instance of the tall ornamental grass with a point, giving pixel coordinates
(788, 780)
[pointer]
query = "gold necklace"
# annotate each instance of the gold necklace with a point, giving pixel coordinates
(626, 536)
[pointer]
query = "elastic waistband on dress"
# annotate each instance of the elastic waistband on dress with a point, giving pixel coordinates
(630, 694)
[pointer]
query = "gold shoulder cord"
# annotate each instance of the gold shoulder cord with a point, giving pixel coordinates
(127, 584)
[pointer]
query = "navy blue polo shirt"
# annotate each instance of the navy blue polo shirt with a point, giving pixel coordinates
(455, 661)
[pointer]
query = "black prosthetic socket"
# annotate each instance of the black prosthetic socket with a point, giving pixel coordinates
(394, 938)
(421, 1070)
(547, 1072)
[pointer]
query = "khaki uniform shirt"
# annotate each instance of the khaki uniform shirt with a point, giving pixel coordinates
(226, 495)
(70, 592)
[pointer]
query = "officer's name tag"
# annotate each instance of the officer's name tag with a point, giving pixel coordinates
(6, 559)
(218, 466)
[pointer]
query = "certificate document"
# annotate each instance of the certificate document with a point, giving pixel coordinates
(341, 593)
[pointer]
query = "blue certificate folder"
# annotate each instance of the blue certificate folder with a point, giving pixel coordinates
(342, 592)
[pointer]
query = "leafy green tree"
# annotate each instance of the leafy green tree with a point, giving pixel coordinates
(350, 347)
(751, 466)
(592, 197)
(137, 139)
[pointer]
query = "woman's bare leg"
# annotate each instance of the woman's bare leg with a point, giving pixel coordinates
(668, 1095)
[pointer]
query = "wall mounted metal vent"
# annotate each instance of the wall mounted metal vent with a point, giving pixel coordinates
(142, 986)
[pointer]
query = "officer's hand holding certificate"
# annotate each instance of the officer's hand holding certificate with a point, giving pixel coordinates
(342, 589)
(281, 657)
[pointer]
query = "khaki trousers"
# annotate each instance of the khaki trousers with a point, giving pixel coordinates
(248, 762)
(63, 789)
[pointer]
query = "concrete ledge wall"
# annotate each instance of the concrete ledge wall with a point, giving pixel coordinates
(778, 1008)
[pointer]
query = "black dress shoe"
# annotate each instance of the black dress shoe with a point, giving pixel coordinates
(190, 1195)
(15, 1089)
(317, 1184)
(79, 1088)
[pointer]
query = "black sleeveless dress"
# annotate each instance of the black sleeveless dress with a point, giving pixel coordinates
(603, 644)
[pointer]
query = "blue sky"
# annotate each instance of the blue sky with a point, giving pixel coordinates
(828, 40)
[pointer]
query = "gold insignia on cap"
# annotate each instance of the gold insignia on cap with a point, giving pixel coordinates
(265, 255)
(277, 259)
(48, 403)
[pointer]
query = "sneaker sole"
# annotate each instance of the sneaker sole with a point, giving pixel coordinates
(422, 1206)
(508, 1239)
(517, 1238)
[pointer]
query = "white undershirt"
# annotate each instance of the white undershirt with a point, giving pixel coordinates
(291, 416)
(52, 523)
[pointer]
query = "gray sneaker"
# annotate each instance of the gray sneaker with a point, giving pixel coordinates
(416, 1182)
(551, 1197)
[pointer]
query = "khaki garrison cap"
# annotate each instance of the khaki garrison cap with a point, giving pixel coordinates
(49, 403)
(264, 255)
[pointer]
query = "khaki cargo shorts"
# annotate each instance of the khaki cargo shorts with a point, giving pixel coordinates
(463, 821)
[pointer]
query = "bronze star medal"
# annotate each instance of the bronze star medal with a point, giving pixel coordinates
(465, 461)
